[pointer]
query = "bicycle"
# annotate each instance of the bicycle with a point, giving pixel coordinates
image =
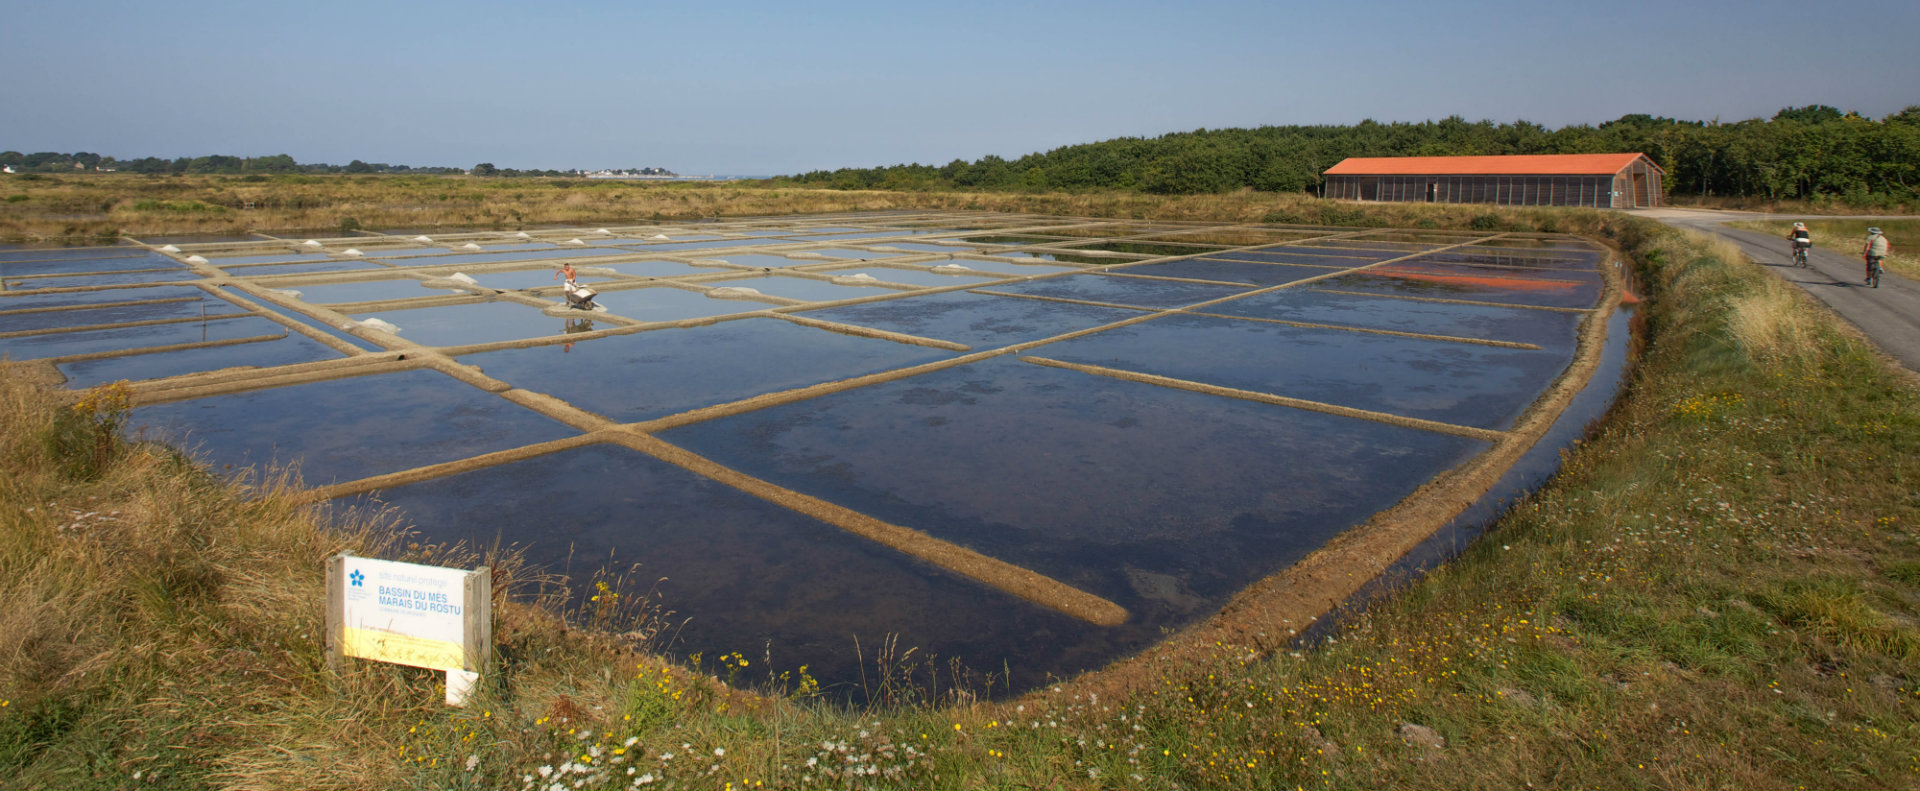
(1800, 255)
(1873, 272)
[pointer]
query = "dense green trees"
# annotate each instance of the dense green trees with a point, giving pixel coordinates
(1807, 152)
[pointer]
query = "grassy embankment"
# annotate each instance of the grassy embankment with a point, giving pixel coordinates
(1720, 590)
(95, 208)
(1848, 236)
(104, 206)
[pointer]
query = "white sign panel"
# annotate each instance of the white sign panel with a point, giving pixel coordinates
(405, 613)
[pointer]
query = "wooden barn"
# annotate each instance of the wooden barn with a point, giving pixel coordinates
(1617, 181)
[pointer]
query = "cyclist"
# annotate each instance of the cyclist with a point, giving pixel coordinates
(1875, 251)
(1802, 240)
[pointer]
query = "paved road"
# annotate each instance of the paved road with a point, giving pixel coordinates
(1889, 315)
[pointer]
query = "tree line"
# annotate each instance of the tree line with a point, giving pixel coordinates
(88, 162)
(1813, 152)
(84, 161)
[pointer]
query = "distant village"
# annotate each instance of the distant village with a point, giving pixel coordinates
(637, 173)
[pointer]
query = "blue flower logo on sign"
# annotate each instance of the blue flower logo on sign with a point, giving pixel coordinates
(357, 578)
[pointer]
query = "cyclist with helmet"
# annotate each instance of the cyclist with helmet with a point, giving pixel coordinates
(1875, 251)
(1802, 241)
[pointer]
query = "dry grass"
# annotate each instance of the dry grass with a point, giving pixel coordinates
(93, 207)
(1769, 319)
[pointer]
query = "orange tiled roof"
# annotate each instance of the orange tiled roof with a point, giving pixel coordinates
(1519, 165)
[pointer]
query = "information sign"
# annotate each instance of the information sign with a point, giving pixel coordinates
(410, 614)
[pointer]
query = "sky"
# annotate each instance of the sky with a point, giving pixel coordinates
(766, 88)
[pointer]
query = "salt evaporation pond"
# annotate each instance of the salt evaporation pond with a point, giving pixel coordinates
(1151, 428)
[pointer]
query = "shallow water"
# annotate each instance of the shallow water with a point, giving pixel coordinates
(14, 268)
(1432, 282)
(263, 270)
(801, 288)
(666, 303)
(914, 276)
(282, 257)
(1449, 382)
(927, 248)
(762, 261)
(190, 304)
(744, 575)
(286, 350)
(1309, 256)
(364, 291)
(345, 429)
(981, 321)
(1119, 290)
(1162, 501)
(533, 278)
(15, 254)
(9, 302)
(658, 269)
(1550, 329)
(461, 325)
(662, 372)
(477, 259)
(848, 252)
(32, 283)
(34, 347)
(717, 244)
(1009, 267)
(1249, 272)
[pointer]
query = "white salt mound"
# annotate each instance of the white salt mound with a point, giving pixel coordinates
(196, 259)
(373, 323)
(603, 232)
(352, 252)
(733, 292)
(423, 239)
(469, 246)
(523, 235)
(658, 237)
(462, 277)
(573, 241)
(170, 249)
(951, 268)
(312, 243)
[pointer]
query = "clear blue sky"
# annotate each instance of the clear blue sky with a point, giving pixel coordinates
(760, 88)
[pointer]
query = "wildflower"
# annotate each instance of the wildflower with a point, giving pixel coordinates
(719, 751)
